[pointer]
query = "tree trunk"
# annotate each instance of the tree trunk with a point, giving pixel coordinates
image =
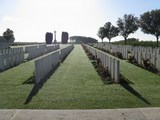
(109, 40)
(102, 40)
(125, 40)
(157, 41)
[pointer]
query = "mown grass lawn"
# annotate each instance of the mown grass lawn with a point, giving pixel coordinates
(12, 90)
(76, 85)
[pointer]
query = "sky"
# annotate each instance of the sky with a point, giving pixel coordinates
(31, 19)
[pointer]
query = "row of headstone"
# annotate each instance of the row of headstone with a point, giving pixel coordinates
(42, 46)
(147, 50)
(4, 45)
(64, 52)
(51, 48)
(120, 49)
(11, 59)
(27, 48)
(158, 62)
(10, 50)
(108, 62)
(45, 65)
(48, 63)
(139, 53)
(115, 49)
(38, 51)
(152, 57)
(35, 52)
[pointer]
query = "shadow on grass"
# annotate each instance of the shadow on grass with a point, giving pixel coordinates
(38, 86)
(30, 80)
(134, 92)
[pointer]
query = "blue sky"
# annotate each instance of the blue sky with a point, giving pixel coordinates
(31, 19)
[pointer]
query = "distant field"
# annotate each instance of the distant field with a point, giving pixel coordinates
(76, 85)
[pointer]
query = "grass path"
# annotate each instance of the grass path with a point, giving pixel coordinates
(76, 85)
(73, 85)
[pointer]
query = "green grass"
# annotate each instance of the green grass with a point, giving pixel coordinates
(76, 85)
(147, 84)
(12, 91)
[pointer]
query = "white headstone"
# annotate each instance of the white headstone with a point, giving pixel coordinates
(117, 71)
(2, 66)
(113, 68)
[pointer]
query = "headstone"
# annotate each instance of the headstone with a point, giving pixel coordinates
(153, 59)
(136, 55)
(113, 68)
(158, 62)
(139, 58)
(2, 66)
(116, 71)
(109, 65)
(38, 71)
(43, 66)
(7, 61)
(148, 56)
(11, 60)
(144, 56)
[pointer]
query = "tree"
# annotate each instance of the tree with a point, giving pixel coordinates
(9, 36)
(101, 33)
(82, 39)
(127, 25)
(110, 31)
(150, 23)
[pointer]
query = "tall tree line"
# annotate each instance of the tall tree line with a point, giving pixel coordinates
(149, 22)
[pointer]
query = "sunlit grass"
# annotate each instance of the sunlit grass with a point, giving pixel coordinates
(76, 85)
